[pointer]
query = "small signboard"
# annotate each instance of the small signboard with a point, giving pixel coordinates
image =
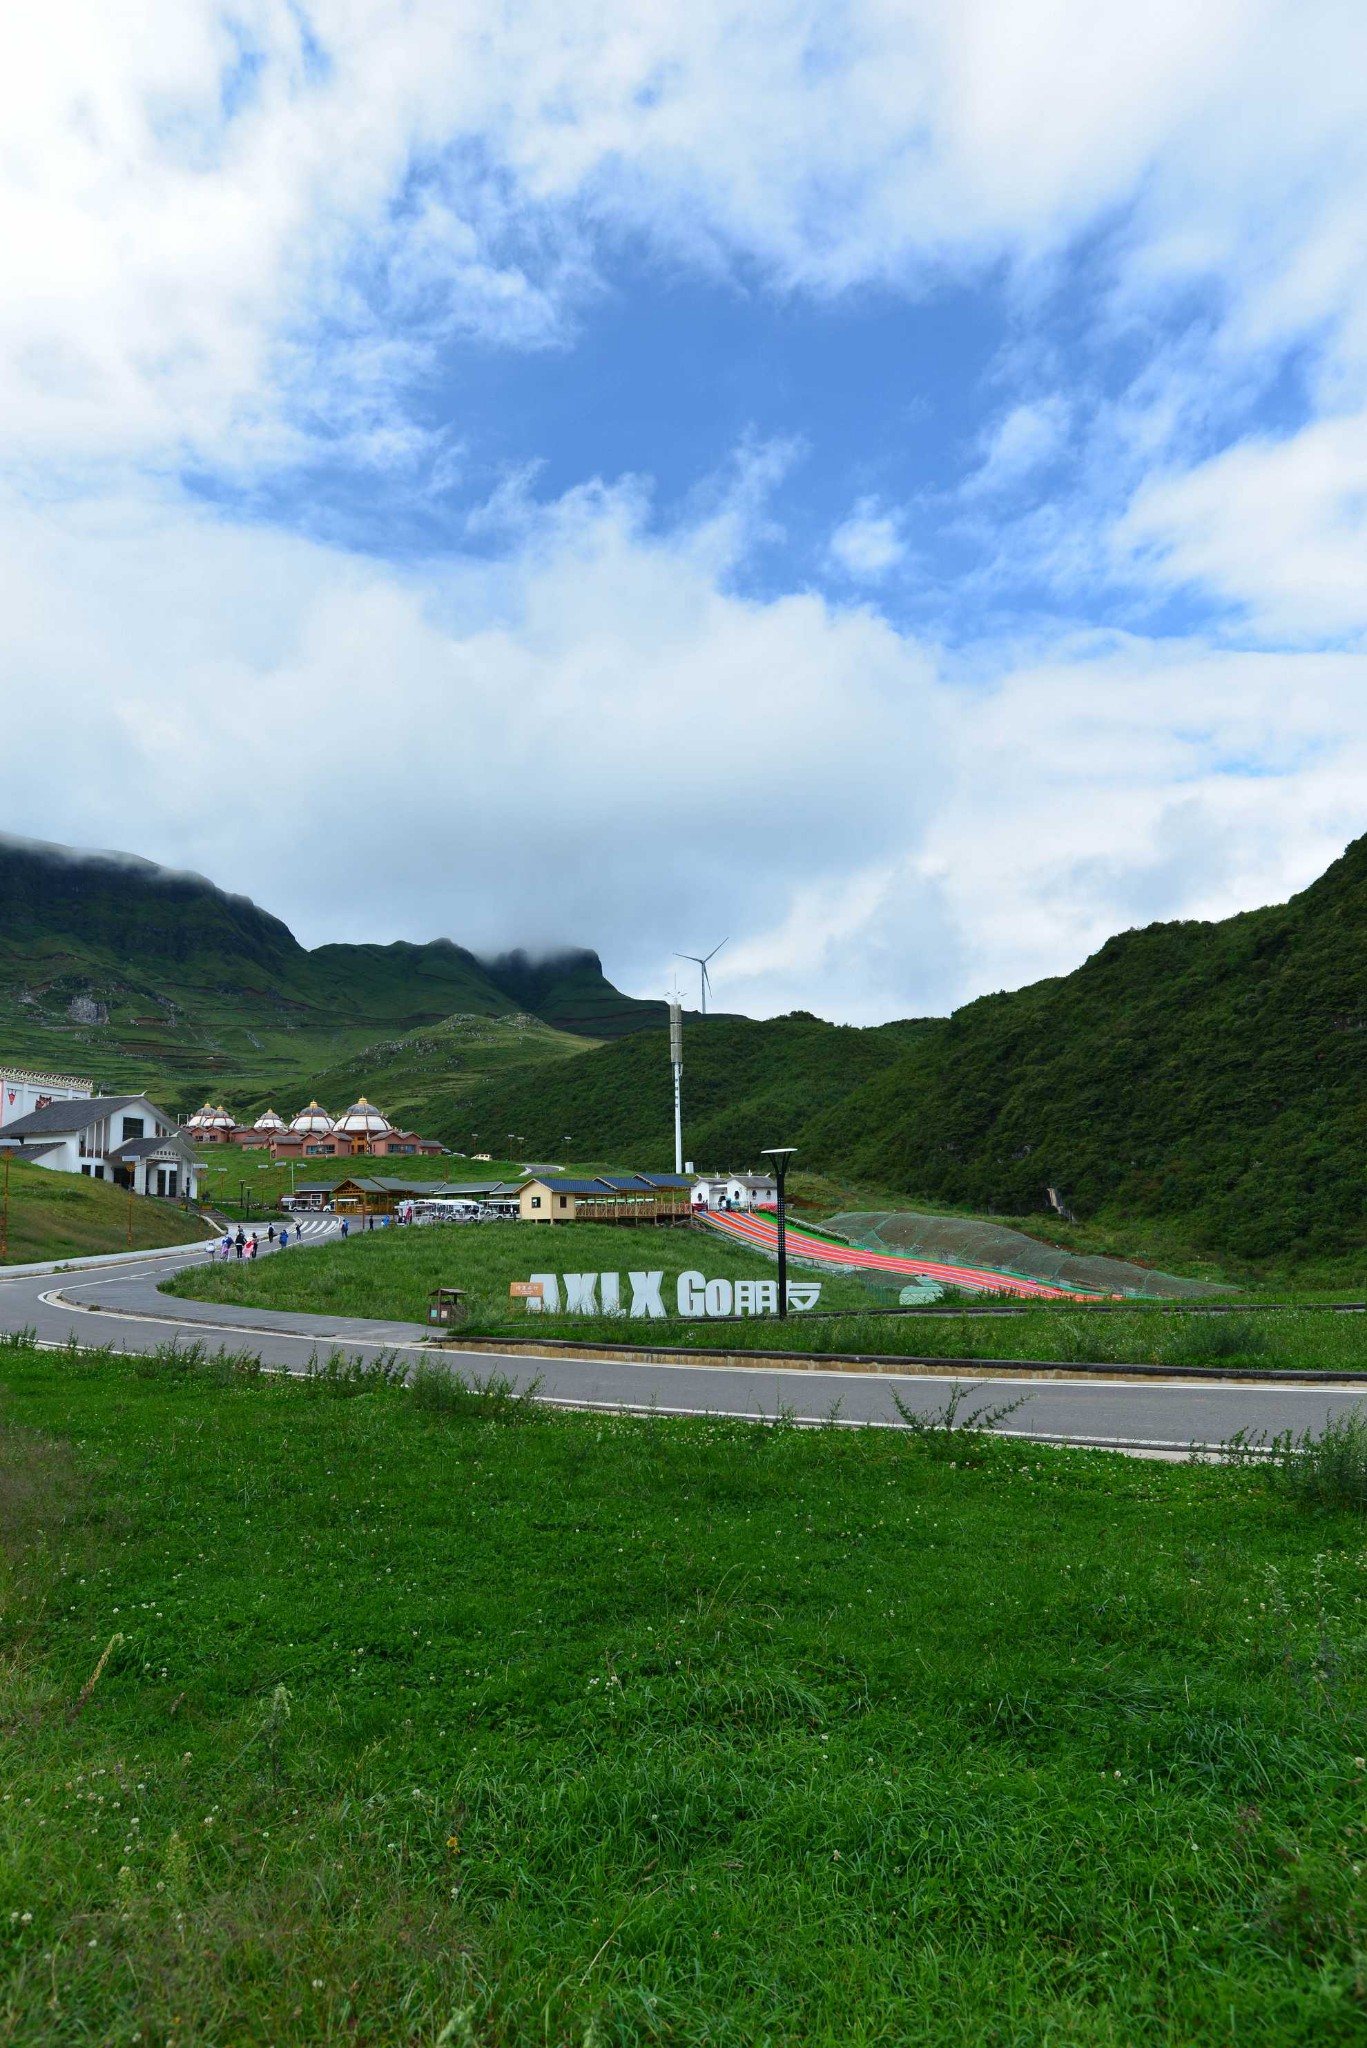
(526, 1290)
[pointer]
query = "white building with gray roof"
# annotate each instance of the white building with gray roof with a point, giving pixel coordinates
(126, 1139)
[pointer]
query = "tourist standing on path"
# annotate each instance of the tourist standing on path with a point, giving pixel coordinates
(270, 1235)
(346, 1226)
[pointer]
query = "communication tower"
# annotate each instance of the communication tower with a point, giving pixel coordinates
(676, 1061)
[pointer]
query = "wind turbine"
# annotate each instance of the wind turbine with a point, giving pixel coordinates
(700, 961)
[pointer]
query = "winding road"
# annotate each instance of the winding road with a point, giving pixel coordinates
(120, 1305)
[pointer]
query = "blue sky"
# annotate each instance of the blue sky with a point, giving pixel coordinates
(907, 466)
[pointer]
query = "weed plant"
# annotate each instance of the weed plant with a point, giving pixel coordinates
(1324, 1471)
(331, 1711)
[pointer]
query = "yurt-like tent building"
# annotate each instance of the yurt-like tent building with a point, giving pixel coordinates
(361, 1127)
(313, 1122)
(210, 1125)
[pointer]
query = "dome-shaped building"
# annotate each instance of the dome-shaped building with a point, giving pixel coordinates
(313, 1121)
(211, 1125)
(269, 1120)
(363, 1120)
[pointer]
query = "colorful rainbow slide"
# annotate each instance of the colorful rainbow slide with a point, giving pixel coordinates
(759, 1227)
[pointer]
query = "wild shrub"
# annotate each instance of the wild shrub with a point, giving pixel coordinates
(220, 1368)
(941, 1431)
(1328, 1470)
(342, 1374)
(437, 1390)
(1216, 1340)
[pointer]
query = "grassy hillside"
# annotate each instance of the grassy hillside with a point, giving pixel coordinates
(331, 1712)
(1205, 1081)
(141, 978)
(746, 1085)
(1215, 1073)
(432, 1079)
(63, 1216)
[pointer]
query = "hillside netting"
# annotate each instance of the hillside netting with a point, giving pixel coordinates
(962, 1240)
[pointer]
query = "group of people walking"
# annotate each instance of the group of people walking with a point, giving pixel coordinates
(244, 1246)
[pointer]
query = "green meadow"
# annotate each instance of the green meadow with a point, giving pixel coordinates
(332, 1711)
(389, 1273)
(65, 1216)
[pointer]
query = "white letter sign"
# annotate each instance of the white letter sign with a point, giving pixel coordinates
(591, 1294)
(690, 1293)
(645, 1294)
(580, 1294)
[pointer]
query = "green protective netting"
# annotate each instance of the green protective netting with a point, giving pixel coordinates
(962, 1240)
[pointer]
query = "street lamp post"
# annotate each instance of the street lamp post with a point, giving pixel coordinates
(781, 1154)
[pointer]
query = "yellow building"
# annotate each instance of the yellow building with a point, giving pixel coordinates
(612, 1198)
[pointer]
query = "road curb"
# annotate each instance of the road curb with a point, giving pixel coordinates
(885, 1362)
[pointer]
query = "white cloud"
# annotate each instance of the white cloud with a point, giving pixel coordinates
(868, 543)
(223, 227)
(1029, 436)
(1095, 785)
(589, 741)
(1277, 528)
(595, 741)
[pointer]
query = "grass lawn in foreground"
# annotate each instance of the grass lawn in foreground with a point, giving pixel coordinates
(389, 1273)
(65, 1216)
(402, 1718)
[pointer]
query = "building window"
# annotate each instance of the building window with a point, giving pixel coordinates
(564, 1201)
(536, 1201)
(132, 1128)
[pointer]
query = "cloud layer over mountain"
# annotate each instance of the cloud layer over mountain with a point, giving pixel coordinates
(882, 482)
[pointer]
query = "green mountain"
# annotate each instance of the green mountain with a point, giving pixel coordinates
(747, 1084)
(1213, 1076)
(112, 966)
(1212, 1073)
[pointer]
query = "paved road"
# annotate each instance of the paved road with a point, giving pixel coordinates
(121, 1306)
